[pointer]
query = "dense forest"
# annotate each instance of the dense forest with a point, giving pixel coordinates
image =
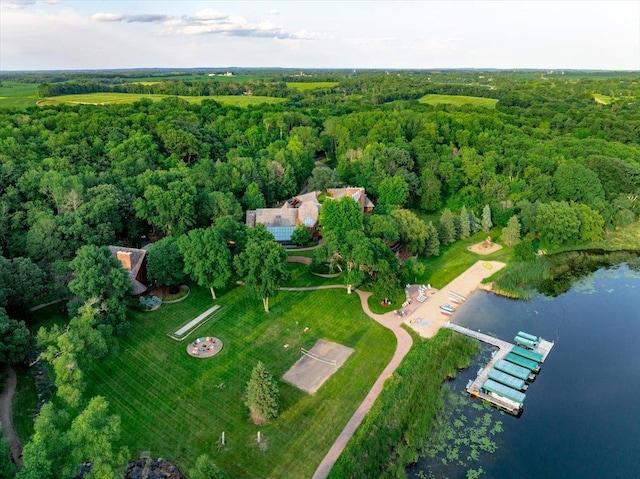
(559, 153)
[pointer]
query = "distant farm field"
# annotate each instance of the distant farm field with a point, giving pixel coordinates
(307, 86)
(458, 100)
(113, 98)
(18, 95)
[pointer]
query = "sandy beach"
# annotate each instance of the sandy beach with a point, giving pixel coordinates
(426, 318)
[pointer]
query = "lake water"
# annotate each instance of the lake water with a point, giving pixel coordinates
(582, 413)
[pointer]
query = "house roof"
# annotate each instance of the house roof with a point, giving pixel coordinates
(277, 216)
(137, 258)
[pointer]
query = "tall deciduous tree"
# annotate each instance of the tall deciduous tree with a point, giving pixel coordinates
(165, 263)
(206, 258)
(253, 197)
(411, 229)
(98, 275)
(323, 178)
(338, 217)
(430, 191)
(14, 339)
(94, 436)
(206, 468)
(46, 455)
(393, 191)
(22, 283)
(262, 395)
(263, 264)
(558, 223)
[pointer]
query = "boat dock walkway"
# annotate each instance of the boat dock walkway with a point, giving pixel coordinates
(504, 348)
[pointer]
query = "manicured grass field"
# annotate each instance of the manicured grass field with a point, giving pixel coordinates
(177, 406)
(308, 86)
(112, 98)
(18, 95)
(458, 100)
(301, 277)
(455, 258)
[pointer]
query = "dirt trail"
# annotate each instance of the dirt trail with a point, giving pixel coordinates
(404, 342)
(5, 414)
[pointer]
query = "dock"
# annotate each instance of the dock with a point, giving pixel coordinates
(476, 387)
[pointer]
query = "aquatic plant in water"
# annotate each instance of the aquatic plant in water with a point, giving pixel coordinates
(464, 432)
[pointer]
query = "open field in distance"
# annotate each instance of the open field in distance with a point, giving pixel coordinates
(458, 100)
(112, 98)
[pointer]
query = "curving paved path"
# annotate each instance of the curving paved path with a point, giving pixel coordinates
(5, 414)
(404, 342)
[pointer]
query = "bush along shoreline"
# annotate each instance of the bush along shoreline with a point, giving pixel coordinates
(395, 428)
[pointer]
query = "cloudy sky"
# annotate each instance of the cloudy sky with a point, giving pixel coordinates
(552, 34)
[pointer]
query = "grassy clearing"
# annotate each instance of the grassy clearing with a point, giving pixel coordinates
(120, 98)
(309, 86)
(405, 412)
(454, 259)
(177, 406)
(458, 100)
(18, 95)
(302, 278)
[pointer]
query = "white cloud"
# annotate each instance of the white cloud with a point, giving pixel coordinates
(115, 17)
(211, 22)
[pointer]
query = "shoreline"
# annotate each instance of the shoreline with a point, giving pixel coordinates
(426, 320)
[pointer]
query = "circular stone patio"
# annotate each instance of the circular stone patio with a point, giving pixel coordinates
(204, 347)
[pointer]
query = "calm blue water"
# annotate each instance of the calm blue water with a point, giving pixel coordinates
(582, 414)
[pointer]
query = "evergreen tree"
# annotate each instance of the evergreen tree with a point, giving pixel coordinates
(447, 231)
(511, 232)
(262, 395)
(486, 219)
(465, 224)
(432, 246)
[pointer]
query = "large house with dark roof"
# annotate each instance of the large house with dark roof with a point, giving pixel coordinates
(134, 261)
(280, 222)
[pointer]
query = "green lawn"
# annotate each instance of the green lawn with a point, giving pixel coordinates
(301, 277)
(458, 100)
(111, 98)
(177, 406)
(454, 259)
(308, 86)
(18, 95)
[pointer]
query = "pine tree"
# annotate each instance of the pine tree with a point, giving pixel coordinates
(432, 247)
(511, 233)
(486, 219)
(262, 395)
(465, 224)
(447, 227)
